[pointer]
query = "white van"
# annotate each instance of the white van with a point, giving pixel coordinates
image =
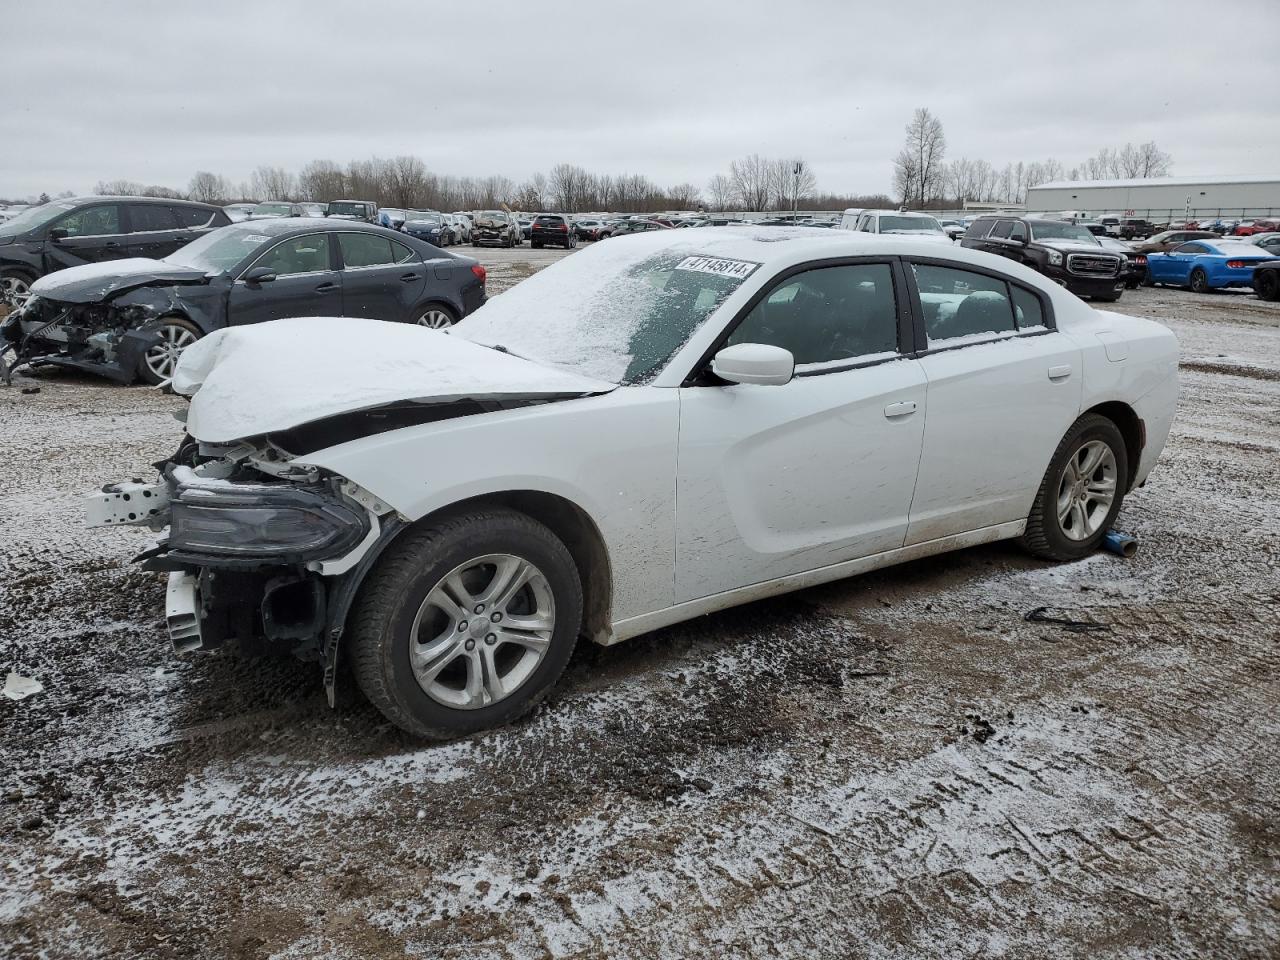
(918, 225)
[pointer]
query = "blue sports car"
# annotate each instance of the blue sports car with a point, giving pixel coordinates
(1207, 264)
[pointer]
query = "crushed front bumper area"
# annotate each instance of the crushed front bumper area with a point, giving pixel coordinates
(91, 338)
(256, 562)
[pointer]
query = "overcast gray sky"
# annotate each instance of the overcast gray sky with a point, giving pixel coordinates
(153, 91)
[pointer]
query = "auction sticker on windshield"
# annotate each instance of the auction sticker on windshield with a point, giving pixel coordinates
(738, 269)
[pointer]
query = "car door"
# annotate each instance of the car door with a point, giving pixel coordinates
(306, 283)
(86, 235)
(1003, 387)
(381, 277)
(777, 480)
(153, 230)
(1175, 265)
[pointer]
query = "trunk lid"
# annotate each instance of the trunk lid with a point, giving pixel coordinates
(269, 377)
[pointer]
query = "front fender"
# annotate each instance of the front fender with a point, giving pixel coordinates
(613, 456)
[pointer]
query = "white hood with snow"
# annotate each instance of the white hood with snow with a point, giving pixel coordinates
(250, 380)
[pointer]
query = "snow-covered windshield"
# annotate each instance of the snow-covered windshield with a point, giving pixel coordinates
(34, 217)
(272, 210)
(900, 224)
(614, 312)
(221, 250)
(1053, 230)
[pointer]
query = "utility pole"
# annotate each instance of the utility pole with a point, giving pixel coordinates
(795, 190)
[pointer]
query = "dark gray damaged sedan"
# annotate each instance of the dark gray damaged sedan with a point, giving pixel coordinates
(131, 319)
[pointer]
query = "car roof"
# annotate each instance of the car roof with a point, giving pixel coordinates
(118, 199)
(283, 226)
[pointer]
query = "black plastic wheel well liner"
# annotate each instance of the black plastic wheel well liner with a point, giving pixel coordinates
(1131, 428)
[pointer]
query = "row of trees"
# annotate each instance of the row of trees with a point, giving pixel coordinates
(923, 178)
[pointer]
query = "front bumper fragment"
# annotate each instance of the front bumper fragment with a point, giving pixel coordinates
(181, 612)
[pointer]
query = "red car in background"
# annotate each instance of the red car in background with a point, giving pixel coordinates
(1250, 227)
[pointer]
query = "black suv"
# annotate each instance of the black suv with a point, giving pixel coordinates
(1064, 252)
(69, 233)
(552, 228)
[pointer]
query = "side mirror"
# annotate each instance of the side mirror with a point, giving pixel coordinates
(58, 234)
(756, 363)
(260, 275)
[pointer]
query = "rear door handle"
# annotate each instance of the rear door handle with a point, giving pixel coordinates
(409, 277)
(1060, 372)
(326, 288)
(903, 408)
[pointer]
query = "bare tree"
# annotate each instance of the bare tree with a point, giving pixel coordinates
(684, 196)
(1151, 161)
(919, 165)
(273, 183)
(120, 188)
(753, 181)
(321, 180)
(721, 192)
(208, 187)
(792, 181)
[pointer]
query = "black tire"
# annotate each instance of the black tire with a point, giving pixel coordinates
(1198, 282)
(144, 371)
(536, 244)
(1044, 536)
(382, 619)
(1266, 284)
(1110, 297)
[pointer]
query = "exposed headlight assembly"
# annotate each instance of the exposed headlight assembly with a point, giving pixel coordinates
(223, 526)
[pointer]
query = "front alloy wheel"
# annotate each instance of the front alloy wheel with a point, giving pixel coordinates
(159, 362)
(436, 318)
(15, 289)
(482, 631)
(1199, 281)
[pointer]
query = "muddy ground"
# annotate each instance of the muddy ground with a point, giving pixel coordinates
(896, 766)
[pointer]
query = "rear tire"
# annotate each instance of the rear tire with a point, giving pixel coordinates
(1062, 526)
(401, 611)
(1266, 284)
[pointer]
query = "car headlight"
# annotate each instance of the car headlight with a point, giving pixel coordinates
(135, 312)
(288, 525)
(1055, 258)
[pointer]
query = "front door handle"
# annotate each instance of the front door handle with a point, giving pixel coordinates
(1060, 372)
(408, 277)
(326, 288)
(903, 408)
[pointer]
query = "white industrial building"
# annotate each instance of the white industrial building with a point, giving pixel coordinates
(1161, 197)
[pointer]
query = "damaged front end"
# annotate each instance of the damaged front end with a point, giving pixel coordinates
(262, 554)
(106, 339)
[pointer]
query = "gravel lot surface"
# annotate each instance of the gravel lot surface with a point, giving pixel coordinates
(894, 766)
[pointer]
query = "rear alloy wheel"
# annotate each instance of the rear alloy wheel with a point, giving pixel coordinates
(1266, 284)
(437, 318)
(1081, 492)
(159, 362)
(465, 624)
(1199, 281)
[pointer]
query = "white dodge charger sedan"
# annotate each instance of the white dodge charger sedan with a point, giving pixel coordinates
(655, 428)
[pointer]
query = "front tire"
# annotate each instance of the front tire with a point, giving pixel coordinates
(466, 624)
(1199, 281)
(1081, 492)
(16, 286)
(158, 363)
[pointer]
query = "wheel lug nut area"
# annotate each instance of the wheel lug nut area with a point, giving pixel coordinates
(479, 608)
(495, 617)
(470, 645)
(491, 639)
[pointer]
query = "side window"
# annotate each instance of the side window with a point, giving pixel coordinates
(192, 216)
(365, 250)
(96, 221)
(308, 254)
(1001, 230)
(402, 253)
(959, 303)
(1027, 308)
(978, 229)
(828, 314)
(150, 218)
(1018, 231)
(1192, 248)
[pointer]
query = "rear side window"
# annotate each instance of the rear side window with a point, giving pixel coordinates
(371, 250)
(1192, 248)
(978, 229)
(150, 217)
(192, 216)
(827, 315)
(960, 304)
(1027, 309)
